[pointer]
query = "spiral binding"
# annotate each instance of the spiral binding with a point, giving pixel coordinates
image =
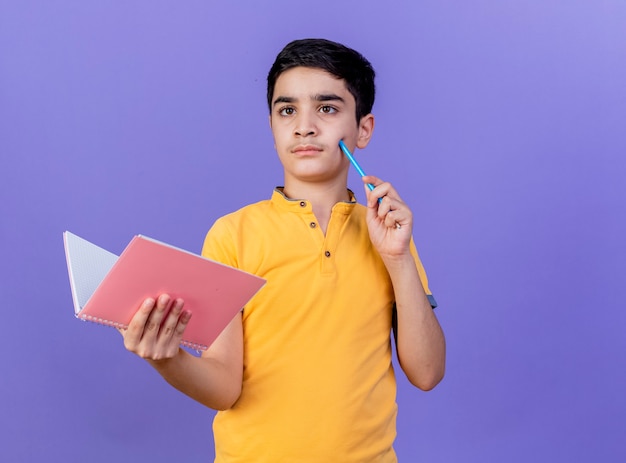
(194, 345)
(101, 321)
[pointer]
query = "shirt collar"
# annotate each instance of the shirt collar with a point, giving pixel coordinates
(303, 206)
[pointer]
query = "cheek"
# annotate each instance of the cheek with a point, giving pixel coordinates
(348, 137)
(347, 131)
(278, 135)
(339, 132)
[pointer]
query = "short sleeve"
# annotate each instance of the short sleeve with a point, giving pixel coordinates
(219, 244)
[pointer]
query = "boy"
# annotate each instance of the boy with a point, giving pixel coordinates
(304, 373)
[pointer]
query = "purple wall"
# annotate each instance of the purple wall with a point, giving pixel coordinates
(503, 124)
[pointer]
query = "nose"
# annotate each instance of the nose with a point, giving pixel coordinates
(305, 126)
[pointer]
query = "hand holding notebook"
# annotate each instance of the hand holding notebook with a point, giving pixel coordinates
(157, 328)
(109, 290)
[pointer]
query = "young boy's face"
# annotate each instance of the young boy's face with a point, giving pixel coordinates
(311, 111)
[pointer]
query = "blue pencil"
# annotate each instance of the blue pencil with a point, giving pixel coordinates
(356, 165)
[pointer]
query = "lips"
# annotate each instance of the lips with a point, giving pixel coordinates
(306, 149)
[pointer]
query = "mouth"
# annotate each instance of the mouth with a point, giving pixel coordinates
(306, 150)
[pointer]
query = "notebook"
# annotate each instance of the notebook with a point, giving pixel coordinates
(108, 289)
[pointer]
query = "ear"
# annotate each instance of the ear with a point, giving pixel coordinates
(366, 129)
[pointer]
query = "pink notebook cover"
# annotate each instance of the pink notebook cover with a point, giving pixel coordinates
(146, 268)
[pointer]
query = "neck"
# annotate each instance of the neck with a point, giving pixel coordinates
(322, 196)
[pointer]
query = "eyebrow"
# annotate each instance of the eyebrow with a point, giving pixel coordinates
(328, 97)
(283, 99)
(319, 97)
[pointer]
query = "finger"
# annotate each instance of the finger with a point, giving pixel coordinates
(168, 327)
(394, 213)
(393, 219)
(381, 190)
(372, 179)
(158, 314)
(378, 208)
(179, 331)
(384, 207)
(375, 196)
(135, 330)
(371, 195)
(171, 333)
(387, 205)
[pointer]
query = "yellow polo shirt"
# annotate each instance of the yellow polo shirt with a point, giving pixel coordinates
(318, 383)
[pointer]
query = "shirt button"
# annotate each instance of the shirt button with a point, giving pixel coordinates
(302, 203)
(327, 253)
(312, 225)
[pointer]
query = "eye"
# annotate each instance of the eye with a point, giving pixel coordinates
(327, 109)
(286, 111)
